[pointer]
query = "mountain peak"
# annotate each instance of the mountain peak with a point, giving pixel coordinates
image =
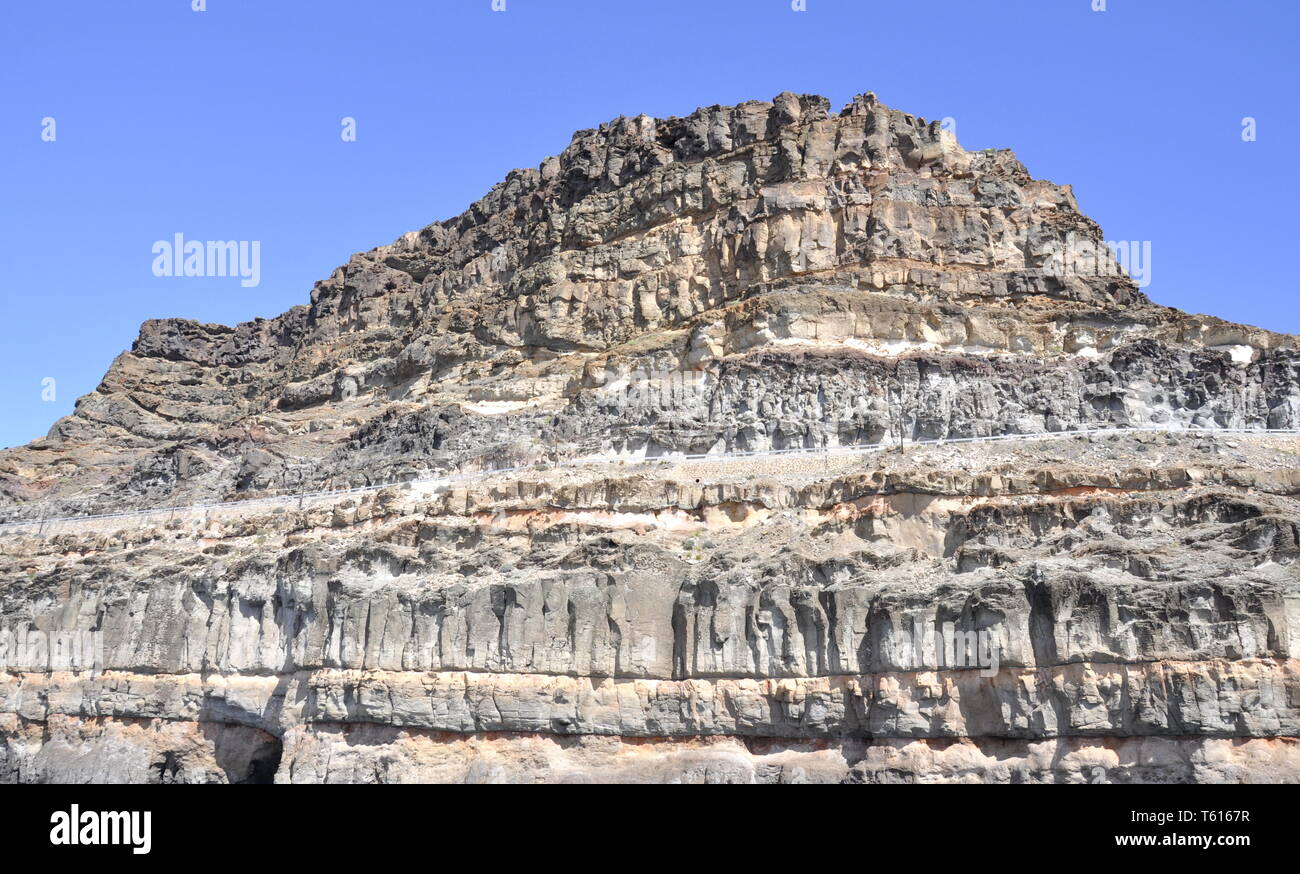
(678, 245)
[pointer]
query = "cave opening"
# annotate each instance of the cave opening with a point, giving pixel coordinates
(263, 762)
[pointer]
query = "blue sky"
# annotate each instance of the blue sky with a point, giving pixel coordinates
(225, 125)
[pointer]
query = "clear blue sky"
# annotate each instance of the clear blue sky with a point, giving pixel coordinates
(225, 124)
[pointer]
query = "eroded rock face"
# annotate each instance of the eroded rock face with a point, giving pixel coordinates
(765, 276)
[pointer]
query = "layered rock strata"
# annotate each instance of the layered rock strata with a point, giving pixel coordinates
(1117, 608)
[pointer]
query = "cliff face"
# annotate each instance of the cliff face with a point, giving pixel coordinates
(762, 277)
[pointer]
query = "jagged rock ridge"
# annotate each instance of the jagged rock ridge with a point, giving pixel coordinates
(761, 276)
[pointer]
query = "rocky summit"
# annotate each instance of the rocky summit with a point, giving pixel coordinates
(673, 460)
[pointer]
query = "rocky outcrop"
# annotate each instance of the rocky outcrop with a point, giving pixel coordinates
(750, 278)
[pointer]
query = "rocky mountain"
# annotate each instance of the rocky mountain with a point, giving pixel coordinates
(532, 581)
